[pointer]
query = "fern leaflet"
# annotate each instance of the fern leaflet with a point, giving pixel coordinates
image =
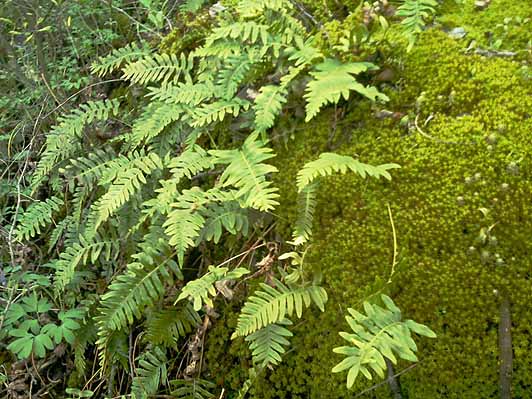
(200, 290)
(37, 215)
(377, 335)
(328, 163)
(271, 305)
(334, 80)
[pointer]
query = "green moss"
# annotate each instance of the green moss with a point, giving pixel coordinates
(474, 152)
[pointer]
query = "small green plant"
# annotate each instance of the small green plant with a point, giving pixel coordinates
(377, 335)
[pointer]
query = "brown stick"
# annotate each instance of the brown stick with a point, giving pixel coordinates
(505, 348)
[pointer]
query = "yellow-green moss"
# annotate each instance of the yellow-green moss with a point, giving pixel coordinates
(475, 152)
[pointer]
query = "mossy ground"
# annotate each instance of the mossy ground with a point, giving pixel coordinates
(465, 167)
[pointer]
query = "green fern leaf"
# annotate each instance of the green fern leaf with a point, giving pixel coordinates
(334, 80)
(217, 111)
(131, 292)
(229, 216)
(37, 215)
(268, 105)
(78, 254)
(247, 172)
(271, 305)
(152, 122)
(200, 290)
(161, 68)
(415, 13)
(151, 372)
(127, 182)
(305, 214)
(192, 389)
(165, 326)
(329, 163)
(65, 138)
(266, 344)
(187, 93)
(377, 335)
(117, 57)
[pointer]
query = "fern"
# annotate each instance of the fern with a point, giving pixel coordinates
(78, 254)
(117, 57)
(161, 68)
(334, 80)
(377, 335)
(64, 138)
(37, 215)
(415, 13)
(228, 216)
(165, 326)
(192, 389)
(247, 172)
(187, 93)
(200, 290)
(329, 163)
(233, 74)
(306, 205)
(271, 305)
(268, 105)
(266, 344)
(127, 182)
(244, 31)
(151, 373)
(131, 292)
(217, 111)
(154, 119)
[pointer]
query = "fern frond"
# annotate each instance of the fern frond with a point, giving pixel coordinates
(247, 172)
(200, 290)
(377, 335)
(329, 163)
(304, 53)
(152, 122)
(217, 111)
(127, 182)
(88, 170)
(165, 326)
(117, 57)
(229, 216)
(37, 215)
(161, 68)
(334, 80)
(183, 224)
(65, 138)
(140, 286)
(244, 31)
(266, 344)
(415, 14)
(188, 164)
(268, 105)
(78, 254)
(192, 389)
(306, 205)
(233, 73)
(187, 93)
(271, 305)
(151, 372)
